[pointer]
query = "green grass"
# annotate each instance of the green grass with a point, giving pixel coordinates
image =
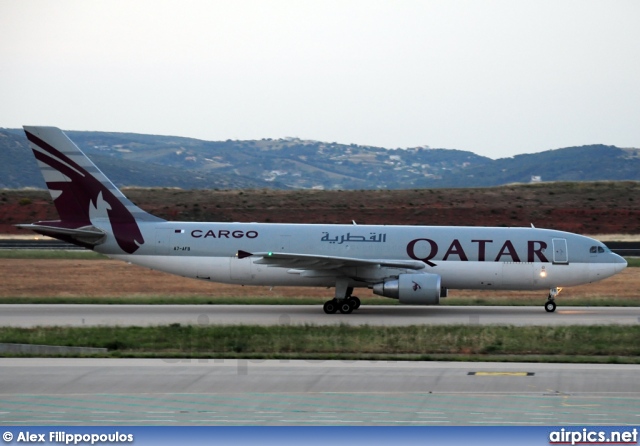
(633, 262)
(454, 342)
(50, 254)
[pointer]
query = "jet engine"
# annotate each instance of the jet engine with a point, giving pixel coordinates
(412, 289)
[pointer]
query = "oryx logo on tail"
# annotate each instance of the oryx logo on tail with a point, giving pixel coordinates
(80, 191)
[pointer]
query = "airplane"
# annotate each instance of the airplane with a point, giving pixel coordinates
(416, 265)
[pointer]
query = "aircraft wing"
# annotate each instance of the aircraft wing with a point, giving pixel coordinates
(308, 261)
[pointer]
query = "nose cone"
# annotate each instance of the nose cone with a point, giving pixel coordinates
(612, 266)
(619, 263)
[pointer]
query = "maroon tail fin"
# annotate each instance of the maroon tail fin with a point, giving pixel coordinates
(82, 194)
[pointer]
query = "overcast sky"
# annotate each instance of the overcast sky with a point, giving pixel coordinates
(494, 77)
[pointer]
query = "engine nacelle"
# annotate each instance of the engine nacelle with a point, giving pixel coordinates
(412, 289)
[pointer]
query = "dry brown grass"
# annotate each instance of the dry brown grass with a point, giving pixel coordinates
(110, 278)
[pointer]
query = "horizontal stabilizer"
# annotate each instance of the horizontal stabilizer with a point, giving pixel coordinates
(88, 234)
(83, 196)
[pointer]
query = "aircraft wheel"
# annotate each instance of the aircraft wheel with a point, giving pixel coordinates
(330, 306)
(550, 306)
(345, 307)
(355, 302)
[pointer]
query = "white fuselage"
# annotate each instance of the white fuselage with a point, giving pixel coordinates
(465, 257)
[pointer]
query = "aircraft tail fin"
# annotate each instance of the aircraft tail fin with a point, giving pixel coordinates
(84, 197)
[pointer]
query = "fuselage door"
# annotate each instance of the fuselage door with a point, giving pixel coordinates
(163, 240)
(560, 254)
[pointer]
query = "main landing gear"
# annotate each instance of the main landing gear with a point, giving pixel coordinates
(550, 305)
(345, 306)
(344, 301)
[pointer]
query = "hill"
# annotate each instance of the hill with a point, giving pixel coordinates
(127, 159)
(167, 161)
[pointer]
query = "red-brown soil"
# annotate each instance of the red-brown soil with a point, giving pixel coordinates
(586, 208)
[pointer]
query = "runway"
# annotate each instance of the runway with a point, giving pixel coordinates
(145, 315)
(230, 392)
(63, 391)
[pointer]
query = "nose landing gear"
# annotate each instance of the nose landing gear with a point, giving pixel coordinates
(550, 305)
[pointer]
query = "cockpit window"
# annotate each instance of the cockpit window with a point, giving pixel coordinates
(600, 249)
(593, 249)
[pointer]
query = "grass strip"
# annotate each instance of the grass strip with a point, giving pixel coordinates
(633, 262)
(50, 254)
(607, 343)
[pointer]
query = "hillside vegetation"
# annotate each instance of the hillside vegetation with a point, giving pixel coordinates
(292, 163)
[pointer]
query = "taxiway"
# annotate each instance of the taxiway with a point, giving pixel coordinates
(146, 315)
(37, 391)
